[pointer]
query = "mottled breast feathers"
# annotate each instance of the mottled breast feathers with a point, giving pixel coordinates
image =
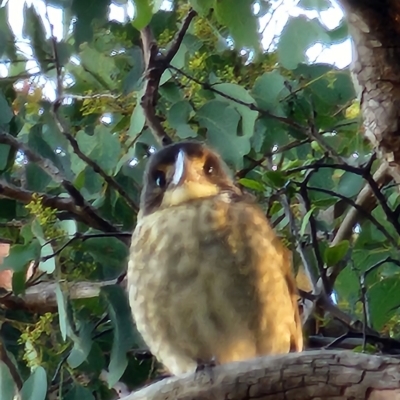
(207, 276)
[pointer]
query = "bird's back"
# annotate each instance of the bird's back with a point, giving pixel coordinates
(209, 279)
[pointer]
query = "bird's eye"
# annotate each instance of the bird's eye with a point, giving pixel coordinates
(159, 179)
(209, 167)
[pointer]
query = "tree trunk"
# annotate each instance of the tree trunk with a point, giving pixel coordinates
(310, 375)
(375, 29)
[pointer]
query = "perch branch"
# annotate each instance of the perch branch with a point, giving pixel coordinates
(309, 375)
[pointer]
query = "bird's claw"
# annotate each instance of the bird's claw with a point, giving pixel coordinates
(207, 367)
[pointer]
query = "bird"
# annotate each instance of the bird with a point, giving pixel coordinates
(208, 279)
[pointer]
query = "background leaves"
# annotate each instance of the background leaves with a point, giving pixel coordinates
(66, 212)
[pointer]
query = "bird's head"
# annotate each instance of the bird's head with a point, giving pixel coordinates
(183, 172)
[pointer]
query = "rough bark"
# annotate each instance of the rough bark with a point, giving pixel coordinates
(375, 29)
(310, 375)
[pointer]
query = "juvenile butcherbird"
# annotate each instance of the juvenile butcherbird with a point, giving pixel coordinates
(208, 279)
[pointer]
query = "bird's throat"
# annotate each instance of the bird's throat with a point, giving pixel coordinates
(187, 192)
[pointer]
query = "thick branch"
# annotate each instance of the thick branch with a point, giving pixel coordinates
(374, 26)
(309, 375)
(43, 295)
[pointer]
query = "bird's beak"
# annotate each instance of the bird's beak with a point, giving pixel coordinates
(187, 183)
(180, 169)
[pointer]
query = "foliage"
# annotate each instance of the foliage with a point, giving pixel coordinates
(71, 168)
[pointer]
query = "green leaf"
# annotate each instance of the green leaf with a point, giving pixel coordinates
(133, 80)
(336, 253)
(137, 121)
(37, 143)
(143, 14)
(49, 265)
(64, 51)
(85, 15)
(275, 179)
(384, 299)
(240, 20)
(297, 36)
(7, 38)
(7, 384)
(69, 226)
(252, 184)
(202, 7)
(235, 92)
(35, 388)
(121, 319)
(20, 256)
(268, 89)
(109, 252)
(178, 117)
(347, 286)
(82, 345)
(4, 152)
(34, 29)
(331, 85)
(221, 122)
(79, 392)
(101, 66)
(36, 179)
(62, 312)
(107, 150)
(6, 113)
(305, 220)
(350, 184)
(320, 5)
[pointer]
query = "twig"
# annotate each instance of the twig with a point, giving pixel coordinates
(364, 213)
(96, 167)
(45, 164)
(73, 142)
(364, 297)
(251, 106)
(366, 174)
(256, 163)
(155, 66)
(83, 237)
(366, 200)
(314, 240)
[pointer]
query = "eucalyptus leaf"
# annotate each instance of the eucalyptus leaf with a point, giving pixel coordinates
(121, 319)
(35, 388)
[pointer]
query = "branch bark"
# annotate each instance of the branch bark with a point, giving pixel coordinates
(43, 295)
(375, 30)
(309, 375)
(155, 66)
(82, 212)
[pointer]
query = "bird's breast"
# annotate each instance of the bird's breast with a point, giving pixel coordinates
(202, 281)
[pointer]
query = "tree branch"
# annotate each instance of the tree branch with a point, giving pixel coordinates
(42, 296)
(155, 66)
(309, 375)
(62, 126)
(82, 211)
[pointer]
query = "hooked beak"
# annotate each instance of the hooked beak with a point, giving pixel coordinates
(187, 183)
(179, 174)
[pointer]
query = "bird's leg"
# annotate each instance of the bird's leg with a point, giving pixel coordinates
(207, 367)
